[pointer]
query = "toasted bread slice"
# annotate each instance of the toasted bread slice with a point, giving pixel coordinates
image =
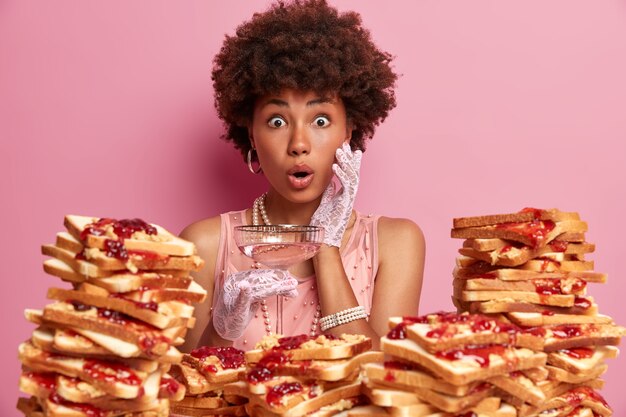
(55, 407)
(520, 386)
(571, 399)
(563, 286)
(486, 245)
(422, 400)
(146, 312)
(452, 404)
(120, 381)
(46, 338)
(136, 260)
(543, 319)
(556, 263)
(66, 341)
(82, 267)
(562, 375)
(94, 232)
(194, 381)
(76, 341)
(303, 347)
(217, 364)
(556, 388)
(582, 306)
(511, 256)
(405, 376)
(203, 402)
(77, 391)
(321, 370)
(444, 331)
(466, 369)
(536, 233)
(484, 270)
(152, 341)
(567, 336)
(122, 282)
(549, 265)
(556, 300)
(582, 360)
(317, 387)
(194, 293)
(525, 215)
(228, 410)
(387, 397)
(489, 407)
(296, 404)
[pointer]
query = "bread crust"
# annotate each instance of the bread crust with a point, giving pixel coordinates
(38, 360)
(152, 341)
(136, 261)
(163, 242)
(468, 371)
(409, 379)
(521, 216)
(510, 256)
(326, 349)
(126, 306)
(512, 233)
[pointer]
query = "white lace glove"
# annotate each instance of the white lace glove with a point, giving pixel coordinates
(239, 299)
(335, 208)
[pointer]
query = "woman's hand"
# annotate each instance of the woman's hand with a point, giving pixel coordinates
(335, 208)
(238, 300)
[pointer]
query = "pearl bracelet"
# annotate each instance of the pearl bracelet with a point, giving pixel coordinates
(342, 317)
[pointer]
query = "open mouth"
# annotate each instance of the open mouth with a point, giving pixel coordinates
(300, 176)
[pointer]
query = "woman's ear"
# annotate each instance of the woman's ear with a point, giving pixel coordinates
(349, 130)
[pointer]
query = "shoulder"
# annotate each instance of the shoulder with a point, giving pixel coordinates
(397, 228)
(205, 234)
(396, 234)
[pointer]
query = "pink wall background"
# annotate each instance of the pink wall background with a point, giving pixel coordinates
(106, 109)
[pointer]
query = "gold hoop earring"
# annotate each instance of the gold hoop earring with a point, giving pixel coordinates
(258, 170)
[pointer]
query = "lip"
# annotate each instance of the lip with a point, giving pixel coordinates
(297, 182)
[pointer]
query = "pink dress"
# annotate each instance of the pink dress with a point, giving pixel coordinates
(360, 260)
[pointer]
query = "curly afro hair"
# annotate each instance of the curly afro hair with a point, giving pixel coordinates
(308, 46)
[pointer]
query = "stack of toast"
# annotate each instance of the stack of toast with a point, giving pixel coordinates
(445, 364)
(105, 345)
(205, 372)
(530, 269)
(303, 375)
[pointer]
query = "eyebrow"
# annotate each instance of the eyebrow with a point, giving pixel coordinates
(283, 103)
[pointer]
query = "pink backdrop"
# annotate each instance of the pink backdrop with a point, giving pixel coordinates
(106, 109)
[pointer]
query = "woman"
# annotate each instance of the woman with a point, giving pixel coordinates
(300, 88)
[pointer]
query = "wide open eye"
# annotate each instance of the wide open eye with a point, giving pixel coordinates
(276, 122)
(321, 121)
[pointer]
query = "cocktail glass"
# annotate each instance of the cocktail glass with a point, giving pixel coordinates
(279, 246)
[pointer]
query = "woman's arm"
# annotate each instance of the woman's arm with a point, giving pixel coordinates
(397, 284)
(336, 294)
(205, 234)
(401, 252)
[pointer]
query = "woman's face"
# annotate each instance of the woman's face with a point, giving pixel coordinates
(296, 135)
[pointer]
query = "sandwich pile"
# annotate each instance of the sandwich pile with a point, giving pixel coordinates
(284, 376)
(103, 347)
(450, 364)
(204, 373)
(528, 269)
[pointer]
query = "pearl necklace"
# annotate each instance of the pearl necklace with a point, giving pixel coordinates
(259, 207)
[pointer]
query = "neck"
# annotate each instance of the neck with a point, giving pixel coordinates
(282, 211)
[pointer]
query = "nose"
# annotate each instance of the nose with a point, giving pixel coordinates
(299, 143)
